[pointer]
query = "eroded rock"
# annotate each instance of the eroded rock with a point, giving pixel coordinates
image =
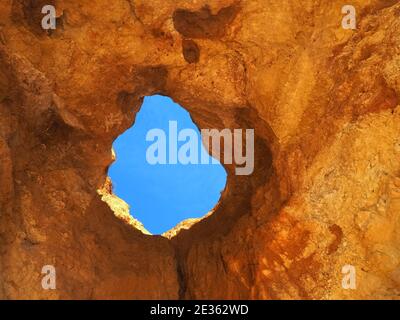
(323, 101)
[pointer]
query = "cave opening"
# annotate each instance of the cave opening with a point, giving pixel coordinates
(162, 170)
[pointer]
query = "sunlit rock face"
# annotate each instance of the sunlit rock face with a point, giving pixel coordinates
(325, 192)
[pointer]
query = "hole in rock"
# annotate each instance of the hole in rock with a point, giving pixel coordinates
(151, 173)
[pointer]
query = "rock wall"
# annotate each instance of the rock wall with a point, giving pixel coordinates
(323, 101)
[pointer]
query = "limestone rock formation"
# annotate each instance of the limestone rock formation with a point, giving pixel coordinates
(323, 101)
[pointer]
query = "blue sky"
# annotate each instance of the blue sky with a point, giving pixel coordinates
(161, 196)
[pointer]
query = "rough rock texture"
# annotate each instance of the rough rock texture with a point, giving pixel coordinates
(324, 105)
(120, 207)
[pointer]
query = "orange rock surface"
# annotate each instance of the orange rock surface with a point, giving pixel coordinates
(323, 101)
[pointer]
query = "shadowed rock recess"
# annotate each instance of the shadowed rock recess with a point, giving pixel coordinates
(323, 101)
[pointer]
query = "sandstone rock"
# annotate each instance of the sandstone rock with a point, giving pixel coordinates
(324, 105)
